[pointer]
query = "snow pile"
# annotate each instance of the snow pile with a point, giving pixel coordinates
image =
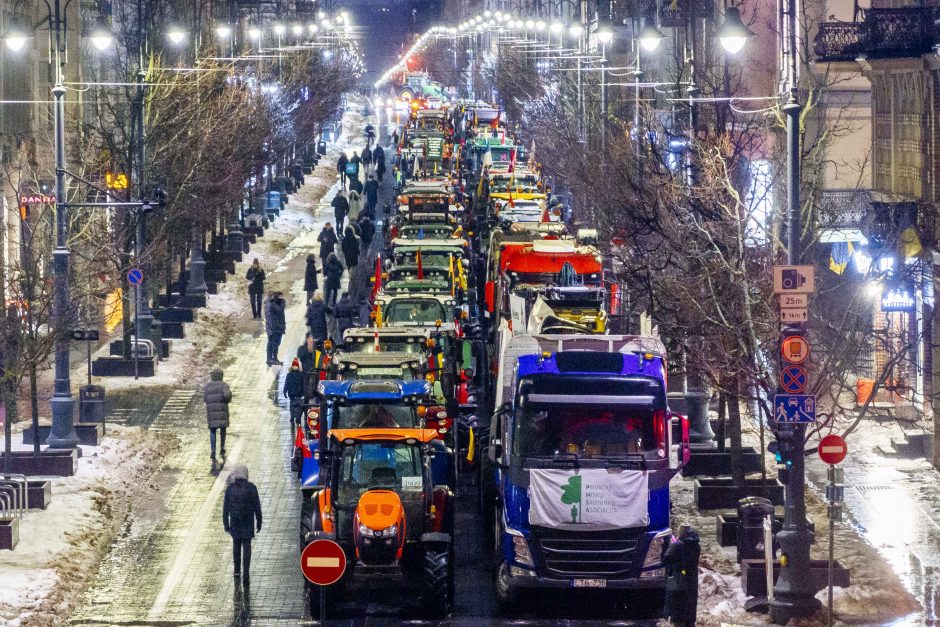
(60, 547)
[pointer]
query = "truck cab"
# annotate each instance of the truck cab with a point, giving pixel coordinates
(580, 456)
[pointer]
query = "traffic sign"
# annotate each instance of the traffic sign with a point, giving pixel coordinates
(794, 349)
(793, 379)
(794, 280)
(794, 316)
(793, 301)
(794, 408)
(135, 276)
(323, 562)
(832, 449)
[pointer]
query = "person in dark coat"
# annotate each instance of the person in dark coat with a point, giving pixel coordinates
(355, 185)
(350, 248)
(256, 279)
(365, 313)
(294, 391)
(316, 317)
(309, 364)
(275, 325)
(367, 228)
(366, 157)
(340, 208)
(372, 192)
(341, 168)
(681, 559)
(345, 311)
(355, 160)
(332, 273)
(217, 396)
(380, 166)
(328, 241)
(241, 516)
(310, 277)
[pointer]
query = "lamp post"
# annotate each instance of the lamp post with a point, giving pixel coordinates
(604, 36)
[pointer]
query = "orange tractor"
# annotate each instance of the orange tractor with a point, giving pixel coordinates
(379, 502)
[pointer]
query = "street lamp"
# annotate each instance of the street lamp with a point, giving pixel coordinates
(604, 36)
(297, 30)
(279, 29)
(15, 38)
(101, 36)
(176, 34)
(312, 28)
(255, 33)
(733, 34)
(223, 31)
(650, 37)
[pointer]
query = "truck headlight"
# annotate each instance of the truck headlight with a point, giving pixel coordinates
(654, 555)
(521, 549)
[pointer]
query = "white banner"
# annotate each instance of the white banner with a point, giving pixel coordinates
(593, 497)
(517, 314)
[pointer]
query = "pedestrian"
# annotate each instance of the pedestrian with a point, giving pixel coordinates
(217, 395)
(346, 311)
(395, 137)
(274, 325)
(367, 228)
(332, 273)
(310, 277)
(356, 186)
(372, 192)
(365, 312)
(355, 205)
(366, 158)
(340, 209)
(341, 169)
(308, 354)
(350, 248)
(256, 279)
(681, 559)
(294, 391)
(241, 516)
(316, 317)
(378, 155)
(328, 241)
(352, 168)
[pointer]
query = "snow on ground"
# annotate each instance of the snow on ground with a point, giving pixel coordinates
(60, 546)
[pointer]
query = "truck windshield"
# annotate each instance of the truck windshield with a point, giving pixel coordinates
(556, 415)
(376, 465)
(374, 415)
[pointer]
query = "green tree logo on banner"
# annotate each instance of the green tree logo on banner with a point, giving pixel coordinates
(571, 495)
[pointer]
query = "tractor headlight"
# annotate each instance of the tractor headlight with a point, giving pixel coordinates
(521, 549)
(365, 531)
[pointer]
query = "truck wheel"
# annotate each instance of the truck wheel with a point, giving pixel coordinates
(436, 582)
(507, 599)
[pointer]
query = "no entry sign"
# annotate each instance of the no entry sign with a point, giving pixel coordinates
(323, 562)
(832, 449)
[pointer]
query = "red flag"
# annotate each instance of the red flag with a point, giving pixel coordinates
(545, 217)
(502, 138)
(511, 203)
(375, 342)
(512, 161)
(378, 276)
(420, 267)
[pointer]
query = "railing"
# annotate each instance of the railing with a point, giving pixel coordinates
(837, 41)
(884, 33)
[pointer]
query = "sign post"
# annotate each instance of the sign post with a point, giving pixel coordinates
(323, 563)
(832, 450)
(135, 276)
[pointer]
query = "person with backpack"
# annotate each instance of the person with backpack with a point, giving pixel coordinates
(241, 517)
(256, 279)
(217, 395)
(352, 168)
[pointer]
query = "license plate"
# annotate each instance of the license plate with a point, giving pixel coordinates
(589, 583)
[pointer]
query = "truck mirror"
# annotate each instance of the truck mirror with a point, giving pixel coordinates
(495, 452)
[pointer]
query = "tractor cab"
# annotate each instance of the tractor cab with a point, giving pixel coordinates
(379, 500)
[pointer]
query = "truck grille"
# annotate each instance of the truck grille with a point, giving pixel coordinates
(574, 554)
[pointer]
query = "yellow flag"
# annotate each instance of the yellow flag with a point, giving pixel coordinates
(471, 446)
(453, 279)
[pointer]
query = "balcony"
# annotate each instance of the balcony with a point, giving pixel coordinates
(883, 34)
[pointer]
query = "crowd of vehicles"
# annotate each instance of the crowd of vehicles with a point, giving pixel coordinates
(488, 360)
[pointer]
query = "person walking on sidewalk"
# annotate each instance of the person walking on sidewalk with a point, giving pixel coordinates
(372, 193)
(316, 317)
(328, 240)
(355, 205)
(341, 169)
(332, 273)
(275, 325)
(217, 396)
(340, 209)
(350, 248)
(309, 356)
(294, 391)
(256, 279)
(241, 516)
(345, 312)
(310, 277)
(367, 228)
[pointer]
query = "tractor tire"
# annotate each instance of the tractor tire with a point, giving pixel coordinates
(437, 582)
(307, 516)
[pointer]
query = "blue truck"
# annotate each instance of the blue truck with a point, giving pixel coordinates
(580, 454)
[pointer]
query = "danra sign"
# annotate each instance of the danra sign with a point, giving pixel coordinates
(593, 497)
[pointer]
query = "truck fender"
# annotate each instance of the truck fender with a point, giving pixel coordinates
(435, 538)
